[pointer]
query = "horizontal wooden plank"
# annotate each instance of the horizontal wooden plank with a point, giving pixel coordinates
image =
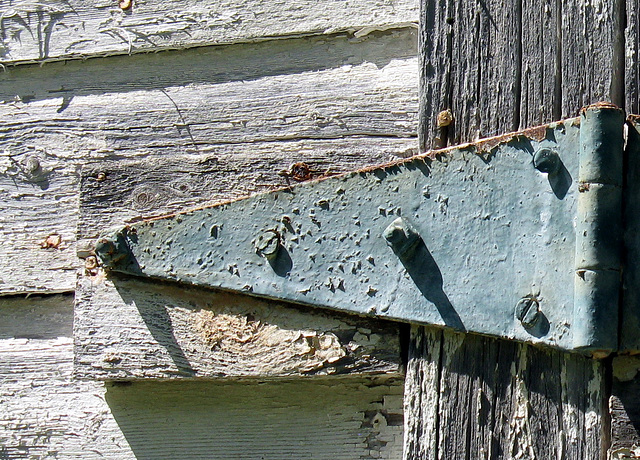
(361, 100)
(57, 29)
(241, 133)
(130, 329)
(328, 419)
(30, 264)
(47, 413)
(212, 65)
(37, 225)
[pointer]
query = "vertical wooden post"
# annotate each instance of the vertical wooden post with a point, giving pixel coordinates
(498, 66)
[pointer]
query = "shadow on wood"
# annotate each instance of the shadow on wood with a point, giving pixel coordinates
(326, 418)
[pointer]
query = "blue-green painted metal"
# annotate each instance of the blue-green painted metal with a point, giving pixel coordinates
(516, 237)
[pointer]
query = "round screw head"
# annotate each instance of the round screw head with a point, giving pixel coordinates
(267, 244)
(547, 161)
(528, 311)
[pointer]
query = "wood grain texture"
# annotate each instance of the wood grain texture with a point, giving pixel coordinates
(320, 419)
(494, 399)
(632, 56)
(47, 413)
(235, 122)
(503, 66)
(624, 407)
(55, 29)
(129, 329)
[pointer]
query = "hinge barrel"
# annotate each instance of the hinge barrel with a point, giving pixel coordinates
(599, 229)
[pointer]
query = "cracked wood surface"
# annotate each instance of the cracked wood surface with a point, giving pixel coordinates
(176, 331)
(502, 66)
(61, 30)
(468, 396)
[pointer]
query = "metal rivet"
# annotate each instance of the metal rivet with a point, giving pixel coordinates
(101, 177)
(268, 244)
(125, 4)
(401, 236)
(546, 161)
(528, 311)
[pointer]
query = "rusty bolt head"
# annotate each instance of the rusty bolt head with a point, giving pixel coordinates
(52, 242)
(547, 161)
(528, 311)
(111, 250)
(101, 177)
(445, 118)
(91, 263)
(268, 243)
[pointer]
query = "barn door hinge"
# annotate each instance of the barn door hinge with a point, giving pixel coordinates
(518, 237)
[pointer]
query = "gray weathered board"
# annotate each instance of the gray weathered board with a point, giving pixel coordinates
(501, 65)
(237, 114)
(239, 119)
(58, 29)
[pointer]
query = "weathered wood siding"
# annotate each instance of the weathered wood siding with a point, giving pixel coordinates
(285, 83)
(54, 30)
(468, 396)
(46, 413)
(499, 66)
(174, 331)
(335, 102)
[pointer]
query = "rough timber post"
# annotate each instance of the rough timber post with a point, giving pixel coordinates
(490, 67)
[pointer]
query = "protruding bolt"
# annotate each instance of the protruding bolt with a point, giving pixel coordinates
(528, 311)
(547, 161)
(32, 166)
(111, 250)
(268, 243)
(91, 263)
(445, 118)
(401, 236)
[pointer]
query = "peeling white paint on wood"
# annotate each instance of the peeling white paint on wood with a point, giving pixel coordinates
(129, 329)
(54, 30)
(46, 413)
(246, 131)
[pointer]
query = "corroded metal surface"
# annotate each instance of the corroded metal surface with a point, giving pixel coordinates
(479, 238)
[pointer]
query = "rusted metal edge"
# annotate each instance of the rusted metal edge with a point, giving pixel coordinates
(482, 147)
